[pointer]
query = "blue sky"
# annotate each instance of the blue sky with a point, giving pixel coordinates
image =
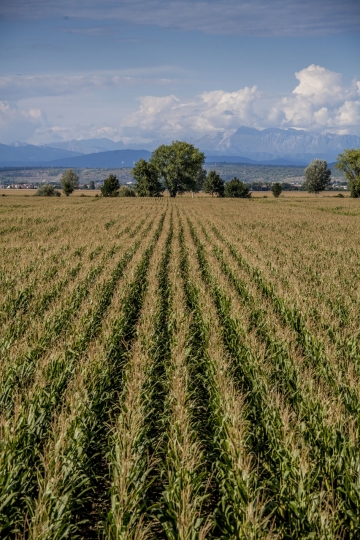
(153, 69)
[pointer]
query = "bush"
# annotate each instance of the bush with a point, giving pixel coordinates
(125, 191)
(236, 188)
(47, 190)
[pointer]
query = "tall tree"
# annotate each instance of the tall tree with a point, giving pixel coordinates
(349, 163)
(147, 179)
(317, 176)
(179, 165)
(69, 181)
(214, 184)
(110, 187)
(200, 180)
(238, 189)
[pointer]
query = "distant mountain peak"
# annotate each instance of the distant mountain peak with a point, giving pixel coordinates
(244, 130)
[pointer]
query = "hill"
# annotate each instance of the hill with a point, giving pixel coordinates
(115, 159)
(30, 154)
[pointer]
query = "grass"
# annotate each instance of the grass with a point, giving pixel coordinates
(179, 369)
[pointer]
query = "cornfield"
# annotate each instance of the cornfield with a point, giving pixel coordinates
(180, 369)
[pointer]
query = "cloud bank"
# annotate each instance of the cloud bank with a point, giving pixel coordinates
(319, 102)
(258, 17)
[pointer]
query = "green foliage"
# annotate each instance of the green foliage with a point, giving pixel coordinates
(179, 165)
(147, 179)
(237, 188)
(69, 181)
(125, 191)
(349, 163)
(214, 184)
(47, 190)
(110, 187)
(317, 176)
(91, 184)
(276, 189)
(200, 181)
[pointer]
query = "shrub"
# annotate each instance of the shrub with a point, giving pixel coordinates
(125, 191)
(47, 190)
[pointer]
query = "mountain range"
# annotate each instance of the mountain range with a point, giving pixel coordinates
(28, 154)
(273, 144)
(246, 145)
(88, 146)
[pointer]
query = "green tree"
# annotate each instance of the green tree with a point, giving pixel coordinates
(237, 188)
(349, 163)
(317, 176)
(47, 190)
(200, 180)
(69, 181)
(126, 191)
(91, 184)
(110, 187)
(214, 184)
(178, 165)
(276, 189)
(147, 179)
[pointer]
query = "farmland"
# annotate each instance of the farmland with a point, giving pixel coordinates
(179, 368)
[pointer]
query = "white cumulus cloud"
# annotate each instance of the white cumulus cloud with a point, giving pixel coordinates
(320, 102)
(170, 116)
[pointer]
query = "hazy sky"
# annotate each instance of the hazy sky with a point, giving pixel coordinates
(165, 69)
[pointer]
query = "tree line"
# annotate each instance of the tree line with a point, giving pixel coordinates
(179, 168)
